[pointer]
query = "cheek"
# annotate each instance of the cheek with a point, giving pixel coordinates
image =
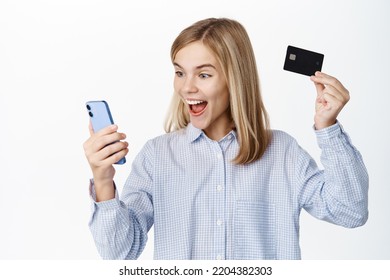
(224, 96)
(176, 86)
(221, 102)
(226, 101)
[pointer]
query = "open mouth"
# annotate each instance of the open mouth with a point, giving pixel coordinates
(197, 107)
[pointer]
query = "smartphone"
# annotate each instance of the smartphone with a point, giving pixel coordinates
(101, 117)
(302, 61)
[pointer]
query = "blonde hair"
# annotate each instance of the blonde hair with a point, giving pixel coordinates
(230, 43)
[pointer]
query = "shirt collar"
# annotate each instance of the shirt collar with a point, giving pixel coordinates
(194, 133)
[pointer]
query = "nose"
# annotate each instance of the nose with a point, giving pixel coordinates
(189, 85)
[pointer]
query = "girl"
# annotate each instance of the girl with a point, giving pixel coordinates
(221, 184)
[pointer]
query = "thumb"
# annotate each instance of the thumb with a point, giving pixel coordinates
(91, 132)
(319, 87)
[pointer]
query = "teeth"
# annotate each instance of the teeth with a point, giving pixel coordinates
(194, 102)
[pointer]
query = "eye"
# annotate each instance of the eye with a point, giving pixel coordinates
(204, 75)
(179, 74)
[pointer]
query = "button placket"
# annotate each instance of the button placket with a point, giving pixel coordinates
(219, 225)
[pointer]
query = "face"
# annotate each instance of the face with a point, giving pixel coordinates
(200, 83)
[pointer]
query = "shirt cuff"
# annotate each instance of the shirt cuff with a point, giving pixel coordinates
(108, 204)
(333, 136)
(328, 132)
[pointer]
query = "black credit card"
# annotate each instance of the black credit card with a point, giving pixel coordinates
(302, 61)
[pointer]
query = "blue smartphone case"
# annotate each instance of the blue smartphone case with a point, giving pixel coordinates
(101, 117)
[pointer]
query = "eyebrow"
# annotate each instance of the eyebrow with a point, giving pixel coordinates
(206, 65)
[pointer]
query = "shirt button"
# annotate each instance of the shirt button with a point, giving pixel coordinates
(219, 257)
(219, 188)
(219, 156)
(230, 136)
(219, 222)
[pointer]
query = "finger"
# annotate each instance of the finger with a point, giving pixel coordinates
(113, 149)
(102, 138)
(326, 80)
(96, 143)
(342, 96)
(99, 158)
(112, 153)
(103, 141)
(116, 157)
(104, 131)
(332, 103)
(107, 130)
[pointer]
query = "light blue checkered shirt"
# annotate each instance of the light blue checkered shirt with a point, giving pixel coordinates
(205, 207)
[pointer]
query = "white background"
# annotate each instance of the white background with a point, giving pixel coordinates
(56, 55)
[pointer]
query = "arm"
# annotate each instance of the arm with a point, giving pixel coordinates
(120, 226)
(118, 229)
(339, 193)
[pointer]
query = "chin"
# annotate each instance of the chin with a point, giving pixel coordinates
(199, 124)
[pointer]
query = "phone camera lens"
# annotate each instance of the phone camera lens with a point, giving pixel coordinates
(90, 114)
(88, 107)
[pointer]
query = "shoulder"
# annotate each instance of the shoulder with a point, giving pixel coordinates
(283, 152)
(178, 135)
(168, 140)
(161, 146)
(280, 137)
(281, 144)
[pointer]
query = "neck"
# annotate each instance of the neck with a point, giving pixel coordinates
(217, 133)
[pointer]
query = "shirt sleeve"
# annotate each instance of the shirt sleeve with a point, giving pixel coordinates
(119, 226)
(339, 193)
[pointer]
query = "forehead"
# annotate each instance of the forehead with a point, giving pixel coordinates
(195, 54)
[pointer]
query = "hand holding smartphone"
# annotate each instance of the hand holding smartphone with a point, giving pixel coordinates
(100, 116)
